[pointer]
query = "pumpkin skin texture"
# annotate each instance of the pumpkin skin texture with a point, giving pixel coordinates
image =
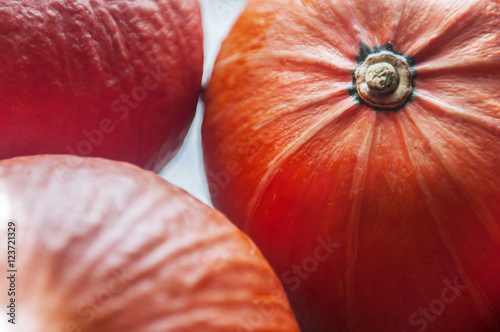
(112, 79)
(405, 198)
(111, 247)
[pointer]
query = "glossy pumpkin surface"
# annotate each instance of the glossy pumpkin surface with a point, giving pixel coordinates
(113, 79)
(111, 247)
(375, 217)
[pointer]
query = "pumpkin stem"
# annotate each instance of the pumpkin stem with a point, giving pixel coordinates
(384, 80)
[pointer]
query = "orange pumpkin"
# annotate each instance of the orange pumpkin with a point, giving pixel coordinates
(110, 247)
(112, 79)
(372, 127)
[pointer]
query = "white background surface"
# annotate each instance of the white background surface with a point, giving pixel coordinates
(186, 169)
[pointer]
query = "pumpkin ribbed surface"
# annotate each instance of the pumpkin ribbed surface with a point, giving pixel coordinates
(110, 247)
(112, 79)
(408, 192)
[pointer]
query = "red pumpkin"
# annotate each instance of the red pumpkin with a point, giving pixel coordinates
(358, 144)
(114, 79)
(111, 247)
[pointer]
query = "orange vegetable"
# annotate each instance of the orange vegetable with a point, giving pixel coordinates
(111, 247)
(374, 127)
(112, 79)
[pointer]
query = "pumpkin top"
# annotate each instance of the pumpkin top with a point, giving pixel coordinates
(384, 80)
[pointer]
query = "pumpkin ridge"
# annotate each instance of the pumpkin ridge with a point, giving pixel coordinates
(179, 251)
(326, 29)
(69, 288)
(138, 295)
(436, 67)
(479, 120)
(264, 182)
(93, 255)
(477, 294)
(484, 215)
(113, 27)
(432, 208)
(446, 31)
(357, 194)
(289, 56)
(299, 106)
(398, 26)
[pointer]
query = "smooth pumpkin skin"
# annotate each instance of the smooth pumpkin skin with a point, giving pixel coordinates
(111, 247)
(112, 79)
(410, 199)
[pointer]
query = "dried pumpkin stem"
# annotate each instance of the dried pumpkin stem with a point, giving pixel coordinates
(384, 80)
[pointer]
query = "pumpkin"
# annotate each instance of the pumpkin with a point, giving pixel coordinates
(358, 144)
(112, 79)
(111, 247)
